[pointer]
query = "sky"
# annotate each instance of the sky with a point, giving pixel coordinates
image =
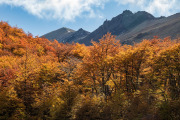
(42, 16)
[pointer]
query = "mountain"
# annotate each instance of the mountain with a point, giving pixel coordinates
(128, 27)
(161, 27)
(118, 25)
(76, 36)
(65, 35)
(60, 34)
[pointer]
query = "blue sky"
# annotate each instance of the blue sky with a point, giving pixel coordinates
(42, 16)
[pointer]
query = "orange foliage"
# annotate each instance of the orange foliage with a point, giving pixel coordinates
(51, 79)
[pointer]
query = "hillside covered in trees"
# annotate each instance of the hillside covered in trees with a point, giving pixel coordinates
(47, 80)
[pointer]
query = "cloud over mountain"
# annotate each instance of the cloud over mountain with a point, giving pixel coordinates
(68, 10)
(158, 7)
(57, 9)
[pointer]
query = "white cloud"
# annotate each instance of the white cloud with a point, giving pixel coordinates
(68, 10)
(155, 7)
(58, 9)
(125, 1)
(162, 7)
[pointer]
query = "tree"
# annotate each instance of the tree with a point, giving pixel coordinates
(99, 62)
(167, 70)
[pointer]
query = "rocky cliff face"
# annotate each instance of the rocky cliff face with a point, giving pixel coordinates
(161, 27)
(118, 25)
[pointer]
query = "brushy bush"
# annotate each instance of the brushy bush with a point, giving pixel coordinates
(11, 107)
(94, 109)
(169, 110)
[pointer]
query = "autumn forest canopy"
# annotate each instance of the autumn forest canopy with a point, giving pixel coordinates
(47, 80)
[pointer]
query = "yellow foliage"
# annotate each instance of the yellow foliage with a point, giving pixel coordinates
(19, 51)
(40, 49)
(12, 38)
(1, 46)
(11, 92)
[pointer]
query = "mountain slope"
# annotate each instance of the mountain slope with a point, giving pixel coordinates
(64, 35)
(76, 36)
(118, 25)
(60, 34)
(161, 27)
(128, 27)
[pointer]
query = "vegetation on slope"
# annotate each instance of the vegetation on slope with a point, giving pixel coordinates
(43, 80)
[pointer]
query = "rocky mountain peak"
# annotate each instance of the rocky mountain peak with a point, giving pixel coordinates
(67, 30)
(127, 12)
(81, 30)
(145, 14)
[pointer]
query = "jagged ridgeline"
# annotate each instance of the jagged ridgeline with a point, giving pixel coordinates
(48, 80)
(128, 27)
(66, 35)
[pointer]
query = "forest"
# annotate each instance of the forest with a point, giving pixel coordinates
(47, 80)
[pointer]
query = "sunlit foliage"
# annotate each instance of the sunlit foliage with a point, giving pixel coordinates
(44, 80)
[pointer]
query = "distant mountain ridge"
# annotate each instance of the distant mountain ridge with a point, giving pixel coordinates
(128, 27)
(66, 35)
(161, 27)
(76, 36)
(118, 25)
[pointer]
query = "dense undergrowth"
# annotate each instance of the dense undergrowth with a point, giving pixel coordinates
(47, 80)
